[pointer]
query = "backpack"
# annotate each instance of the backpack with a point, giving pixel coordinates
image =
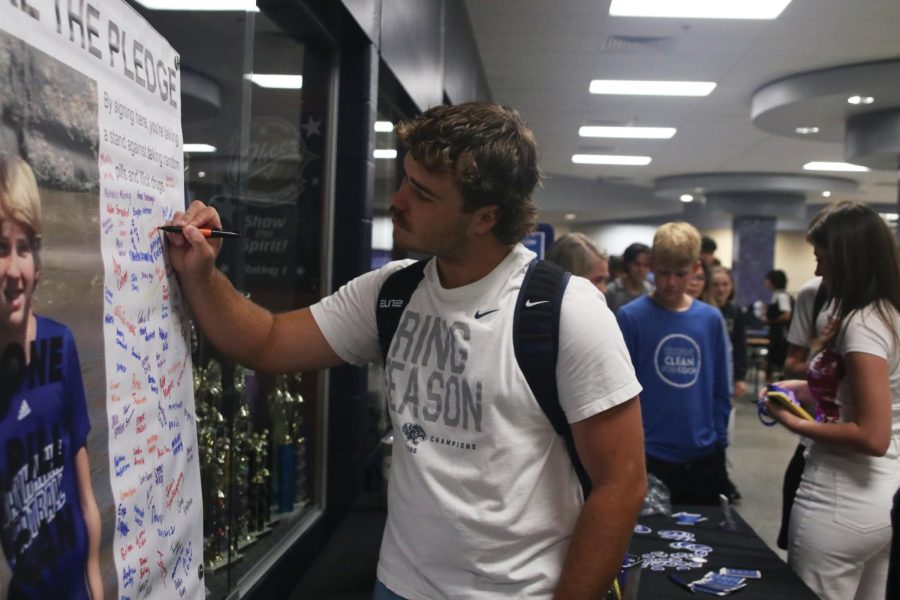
(535, 335)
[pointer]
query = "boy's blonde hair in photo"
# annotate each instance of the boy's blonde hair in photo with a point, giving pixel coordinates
(676, 244)
(19, 198)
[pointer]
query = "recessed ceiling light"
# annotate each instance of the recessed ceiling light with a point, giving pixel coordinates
(610, 159)
(699, 9)
(860, 100)
(276, 82)
(806, 130)
(201, 174)
(686, 198)
(651, 88)
(384, 126)
(570, 216)
(657, 133)
(208, 5)
(826, 194)
(833, 166)
(197, 148)
(384, 153)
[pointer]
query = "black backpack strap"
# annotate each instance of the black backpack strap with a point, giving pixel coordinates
(392, 300)
(536, 343)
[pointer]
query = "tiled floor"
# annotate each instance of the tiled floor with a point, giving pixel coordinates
(759, 456)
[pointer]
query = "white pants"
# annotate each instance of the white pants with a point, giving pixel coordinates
(840, 533)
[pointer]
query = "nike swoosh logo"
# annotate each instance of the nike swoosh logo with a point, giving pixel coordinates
(478, 315)
(530, 303)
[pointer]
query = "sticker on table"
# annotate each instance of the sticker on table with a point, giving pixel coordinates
(679, 561)
(676, 534)
(745, 573)
(686, 518)
(698, 549)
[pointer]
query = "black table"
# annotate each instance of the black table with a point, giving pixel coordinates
(740, 548)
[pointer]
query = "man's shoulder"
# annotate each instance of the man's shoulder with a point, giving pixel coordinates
(377, 277)
(639, 306)
(807, 292)
(811, 285)
(781, 294)
(710, 314)
(392, 267)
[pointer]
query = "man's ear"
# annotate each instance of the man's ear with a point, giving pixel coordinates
(486, 218)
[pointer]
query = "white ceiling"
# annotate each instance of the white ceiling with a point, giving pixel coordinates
(539, 56)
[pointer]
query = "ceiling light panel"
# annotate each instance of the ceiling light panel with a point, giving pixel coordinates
(699, 9)
(197, 148)
(651, 88)
(833, 166)
(207, 5)
(610, 159)
(656, 133)
(276, 82)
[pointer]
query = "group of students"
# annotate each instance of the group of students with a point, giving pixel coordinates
(681, 350)
(483, 500)
(714, 284)
(844, 348)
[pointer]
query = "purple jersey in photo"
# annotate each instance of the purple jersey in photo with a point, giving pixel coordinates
(42, 529)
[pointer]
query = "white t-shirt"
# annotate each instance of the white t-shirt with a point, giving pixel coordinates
(482, 497)
(866, 332)
(803, 331)
(870, 480)
(783, 299)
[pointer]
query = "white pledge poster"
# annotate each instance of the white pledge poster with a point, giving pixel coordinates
(119, 81)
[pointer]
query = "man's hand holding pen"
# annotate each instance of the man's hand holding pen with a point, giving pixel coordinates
(192, 253)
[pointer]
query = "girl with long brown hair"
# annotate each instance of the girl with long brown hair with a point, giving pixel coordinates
(840, 530)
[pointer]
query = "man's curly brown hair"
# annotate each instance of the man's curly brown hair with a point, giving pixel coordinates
(491, 154)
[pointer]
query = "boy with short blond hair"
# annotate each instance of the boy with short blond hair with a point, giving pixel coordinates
(682, 355)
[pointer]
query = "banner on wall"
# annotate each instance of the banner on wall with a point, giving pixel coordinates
(90, 105)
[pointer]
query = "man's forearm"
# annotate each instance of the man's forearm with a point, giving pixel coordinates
(237, 327)
(600, 539)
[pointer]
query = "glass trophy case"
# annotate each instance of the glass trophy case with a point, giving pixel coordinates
(255, 116)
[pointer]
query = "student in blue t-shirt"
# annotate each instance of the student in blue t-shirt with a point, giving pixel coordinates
(682, 356)
(49, 521)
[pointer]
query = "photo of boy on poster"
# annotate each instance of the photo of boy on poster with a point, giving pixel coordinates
(49, 520)
(49, 120)
(104, 148)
